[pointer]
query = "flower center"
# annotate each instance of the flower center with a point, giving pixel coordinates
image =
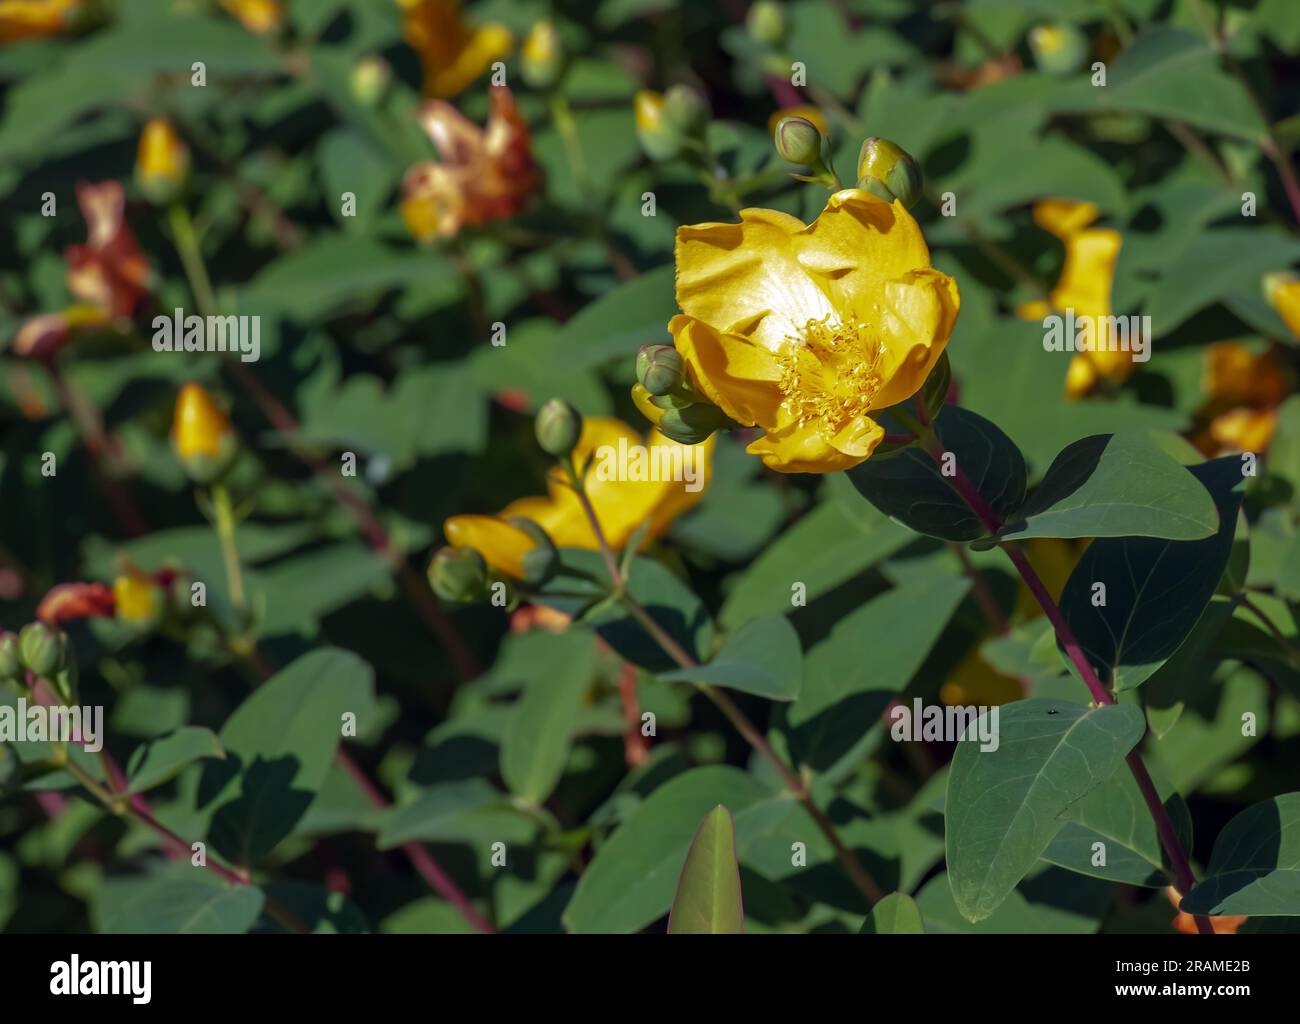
(830, 373)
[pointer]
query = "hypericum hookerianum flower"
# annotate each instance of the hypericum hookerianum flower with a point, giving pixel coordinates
(162, 161)
(1282, 290)
(258, 16)
(1242, 395)
(204, 440)
(35, 19)
(137, 599)
(1084, 286)
(453, 53)
(483, 174)
(622, 500)
(807, 330)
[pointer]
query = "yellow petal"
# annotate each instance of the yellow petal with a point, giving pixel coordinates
(487, 44)
(1244, 430)
(918, 315)
(803, 450)
(1283, 293)
(1081, 377)
(1064, 217)
(734, 373)
(1088, 273)
(198, 426)
(502, 545)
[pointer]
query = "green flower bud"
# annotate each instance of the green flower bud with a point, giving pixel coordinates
(1058, 49)
(659, 141)
(798, 141)
(11, 666)
(370, 80)
(10, 769)
(693, 424)
(685, 111)
(459, 575)
(889, 172)
(659, 369)
(765, 22)
(42, 649)
(558, 427)
(542, 57)
(543, 561)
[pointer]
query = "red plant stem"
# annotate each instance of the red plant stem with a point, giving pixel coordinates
(635, 747)
(968, 492)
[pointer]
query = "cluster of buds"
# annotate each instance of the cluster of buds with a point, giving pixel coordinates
(669, 123)
(41, 650)
(665, 397)
(884, 168)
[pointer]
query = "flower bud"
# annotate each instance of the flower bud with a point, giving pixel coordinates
(659, 369)
(138, 601)
(657, 138)
(42, 649)
(693, 424)
(370, 78)
(889, 172)
(685, 111)
(765, 22)
(543, 561)
(1282, 290)
(162, 162)
(1058, 49)
(798, 141)
(11, 665)
(458, 575)
(542, 56)
(204, 440)
(558, 427)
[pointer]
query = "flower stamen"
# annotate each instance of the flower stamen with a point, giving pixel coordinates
(830, 373)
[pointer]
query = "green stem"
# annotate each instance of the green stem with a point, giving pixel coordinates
(225, 523)
(187, 247)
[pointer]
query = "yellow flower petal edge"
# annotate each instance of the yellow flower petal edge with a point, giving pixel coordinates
(502, 545)
(804, 330)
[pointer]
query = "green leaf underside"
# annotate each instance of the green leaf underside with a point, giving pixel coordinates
(1004, 807)
(1118, 485)
(1255, 867)
(708, 900)
(896, 914)
(763, 657)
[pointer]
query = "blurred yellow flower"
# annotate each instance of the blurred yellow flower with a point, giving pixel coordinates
(34, 19)
(1053, 559)
(453, 53)
(258, 16)
(805, 330)
(1242, 393)
(483, 174)
(622, 501)
(975, 681)
(1283, 292)
(162, 159)
(203, 438)
(1084, 286)
(135, 598)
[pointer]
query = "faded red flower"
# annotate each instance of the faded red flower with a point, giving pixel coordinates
(109, 271)
(69, 601)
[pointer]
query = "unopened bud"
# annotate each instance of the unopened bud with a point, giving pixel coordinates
(11, 665)
(1058, 49)
(887, 171)
(370, 78)
(657, 138)
(458, 575)
(162, 162)
(765, 22)
(42, 649)
(204, 440)
(541, 563)
(798, 141)
(659, 369)
(558, 427)
(685, 111)
(542, 56)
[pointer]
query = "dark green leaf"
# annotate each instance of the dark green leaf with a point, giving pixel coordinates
(1255, 867)
(708, 900)
(763, 657)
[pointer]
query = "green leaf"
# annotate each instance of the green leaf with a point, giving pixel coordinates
(630, 882)
(763, 657)
(1155, 589)
(279, 745)
(1255, 867)
(908, 485)
(468, 812)
(620, 321)
(1004, 806)
(158, 761)
(708, 900)
(1115, 815)
(1116, 485)
(180, 901)
(535, 746)
(896, 914)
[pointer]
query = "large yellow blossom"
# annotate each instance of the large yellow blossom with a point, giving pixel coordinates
(621, 504)
(805, 330)
(452, 52)
(1242, 393)
(1084, 286)
(34, 19)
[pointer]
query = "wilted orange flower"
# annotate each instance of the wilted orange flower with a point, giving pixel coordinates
(483, 174)
(1186, 924)
(1085, 287)
(453, 53)
(109, 271)
(34, 19)
(42, 336)
(256, 15)
(1242, 393)
(69, 601)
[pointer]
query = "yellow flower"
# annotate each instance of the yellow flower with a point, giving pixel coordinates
(543, 56)
(162, 159)
(35, 19)
(1242, 393)
(975, 681)
(135, 598)
(1283, 292)
(453, 54)
(205, 441)
(258, 16)
(805, 331)
(622, 501)
(1053, 559)
(1084, 286)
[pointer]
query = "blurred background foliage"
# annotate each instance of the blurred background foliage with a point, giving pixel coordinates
(378, 344)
